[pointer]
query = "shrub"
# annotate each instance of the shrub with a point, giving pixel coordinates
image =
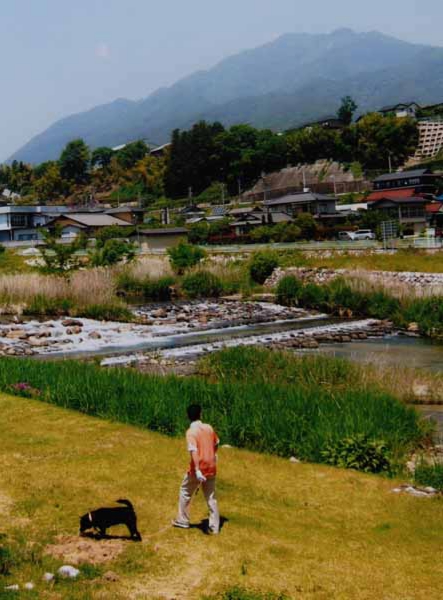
(128, 284)
(288, 290)
(307, 225)
(202, 284)
(262, 266)
(112, 252)
(158, 289)
(106, 312)
(312, 296)
(43, 306)
(360, 453)
(2, 249)
(184, 256)
(429, 475)
(382, 306)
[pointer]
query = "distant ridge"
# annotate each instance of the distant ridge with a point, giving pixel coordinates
(294, 79)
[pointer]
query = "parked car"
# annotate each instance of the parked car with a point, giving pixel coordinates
(345, 236)
(363, 234)
(352, 236)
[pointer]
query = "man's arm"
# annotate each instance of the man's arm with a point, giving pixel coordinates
(196, 461)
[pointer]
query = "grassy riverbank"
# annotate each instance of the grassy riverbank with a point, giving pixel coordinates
(307, 531)
(319, 405)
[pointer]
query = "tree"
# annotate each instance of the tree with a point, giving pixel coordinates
(113, 251)
(61, 257)
(130, 154)
(307, 225)
(51, 184)
(101, 157)
(347, 109)
(74, 161)
(380, 137)
(183, 256)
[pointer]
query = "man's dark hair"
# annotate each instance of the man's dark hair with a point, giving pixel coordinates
(194, 412)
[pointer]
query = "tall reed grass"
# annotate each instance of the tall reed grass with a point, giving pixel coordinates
(299, 419)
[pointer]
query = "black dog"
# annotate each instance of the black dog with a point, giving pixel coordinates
(102, 518)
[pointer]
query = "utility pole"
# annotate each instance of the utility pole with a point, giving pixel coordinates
(190, 195)
(239, 187)
(390, 162)
(223, 193)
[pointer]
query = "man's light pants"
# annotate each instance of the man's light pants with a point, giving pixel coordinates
(188, 488)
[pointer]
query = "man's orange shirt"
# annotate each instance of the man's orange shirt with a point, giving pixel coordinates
(201, 438)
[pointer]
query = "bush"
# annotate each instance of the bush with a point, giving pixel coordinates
(112, 252)
(288, 290)
(2, 249)
(184, 256)
(43, 306)
(202, 284)
(429, 475)
(312, 296)
(106, 312)
(360, 453)
(262, 266)
(158, 289)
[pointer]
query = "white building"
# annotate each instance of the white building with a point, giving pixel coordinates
(431, 137)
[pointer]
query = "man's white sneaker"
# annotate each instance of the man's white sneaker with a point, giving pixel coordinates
(180, 525)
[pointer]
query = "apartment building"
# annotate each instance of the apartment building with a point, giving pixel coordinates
(431, 137)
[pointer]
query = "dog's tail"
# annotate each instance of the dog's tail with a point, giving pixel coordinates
(126, 503)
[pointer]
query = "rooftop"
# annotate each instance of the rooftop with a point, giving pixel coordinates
(403, 174)
(95, 219)
(301, 198)
(170, 231)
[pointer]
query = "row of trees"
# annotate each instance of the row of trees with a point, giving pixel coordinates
(237, 156)
(79, 168)
(209, 153)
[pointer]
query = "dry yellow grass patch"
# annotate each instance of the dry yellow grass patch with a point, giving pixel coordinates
(310, 531)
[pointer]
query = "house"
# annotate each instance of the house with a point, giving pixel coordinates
(159, 239)
(160, 150)
(328, 122)
(24, 223)
(401, 110)
(418, 182)
(188, 212)
(88, 223)
(294, 204)
(410, 212)
(248, 219)
(130, 214)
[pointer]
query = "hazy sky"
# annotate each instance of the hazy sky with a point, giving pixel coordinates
(64, 56)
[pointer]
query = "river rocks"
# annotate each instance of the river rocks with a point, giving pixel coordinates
(95, 335)
(17, 334)
(73, 330)
(72, 323)
(413, 328)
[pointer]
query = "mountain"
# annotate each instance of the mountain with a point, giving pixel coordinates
(296, 78)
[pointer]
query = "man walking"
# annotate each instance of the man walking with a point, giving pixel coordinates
(202, 442)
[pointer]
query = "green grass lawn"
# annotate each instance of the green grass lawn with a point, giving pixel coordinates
(402, 260)
(12, 262)
(312, 532)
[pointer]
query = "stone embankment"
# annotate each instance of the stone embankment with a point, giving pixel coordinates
(322, 276)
